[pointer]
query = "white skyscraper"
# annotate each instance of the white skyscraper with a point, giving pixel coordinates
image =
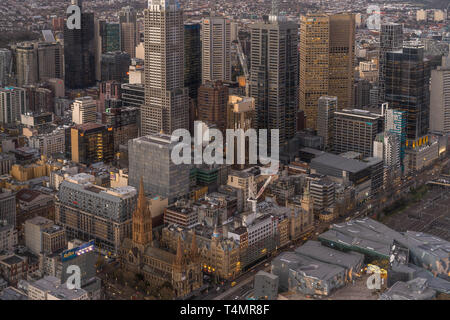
(166, 105)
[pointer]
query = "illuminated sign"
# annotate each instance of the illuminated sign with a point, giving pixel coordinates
(75, 252)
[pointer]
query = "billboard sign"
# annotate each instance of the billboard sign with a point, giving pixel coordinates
(77, 251)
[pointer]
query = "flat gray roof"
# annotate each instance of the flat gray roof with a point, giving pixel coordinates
(315, 250)
(308, 266)
(339, 162)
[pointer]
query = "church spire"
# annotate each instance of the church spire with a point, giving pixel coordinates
(194, 248)
(179, 256)
(142, 219)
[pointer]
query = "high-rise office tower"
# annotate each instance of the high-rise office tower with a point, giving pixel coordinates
(327, 105)
(342, 59)
(91, 143)
(79, 52)
(107, 39)
(166, 105)
(13, 103)
(391, 39)
(440, 100)
(26, 64)
(50, 61)
(216, 49)
(387, 147)
(129, 36)
(212, 104)
(192, 67)
(5, 67)
(115, 66)
(160, 175)
(314, 63)
(274, 74)
(361, 93)
(133, 95)
(407, 77)
(84, 110)
(327, 53)
(355, 130)
(395, 123)
(192, 58)
(8, 207)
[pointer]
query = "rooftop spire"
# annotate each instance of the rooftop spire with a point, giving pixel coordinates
(179, 256)
(275, 8)
(142, 200)
(142, 219)
(194, 248)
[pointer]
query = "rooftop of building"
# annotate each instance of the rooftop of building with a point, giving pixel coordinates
(360, 113)
(112, 194)
(156, 138)
(315, 250)
(38, 221)
(90, 126)
(309, 267)
(415, 289)
(12, 260)
(266, 274)
(11, 293)
(339, 162)
(27, 195)
(53, 286)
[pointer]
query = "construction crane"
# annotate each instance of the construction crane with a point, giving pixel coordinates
(254, 198)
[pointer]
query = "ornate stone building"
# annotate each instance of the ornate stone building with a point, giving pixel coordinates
(219, 255)
(142, 254)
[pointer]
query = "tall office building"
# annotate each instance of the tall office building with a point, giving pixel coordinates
(355, 130)
(212, 104)
(129, 35)
(327, 54)
(216, 49)
(342, 59)
(440, 100)
(26, 64)
(314, 63)
(327, 105)
(50, 61)
(391, 39)
(387, 146)
(13, 103)
(92, 143)
(161, 177)
(107, 39)
(361, 93)
(192, 58)
(6, 63)
(133, 95)
(407, 77)
(8, 207)
(395, 123)
(84, 110)
(274, 74)
(79, 52)
(166, 105)
(115, 66)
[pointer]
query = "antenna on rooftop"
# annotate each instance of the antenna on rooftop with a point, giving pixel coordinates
(275, 8)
